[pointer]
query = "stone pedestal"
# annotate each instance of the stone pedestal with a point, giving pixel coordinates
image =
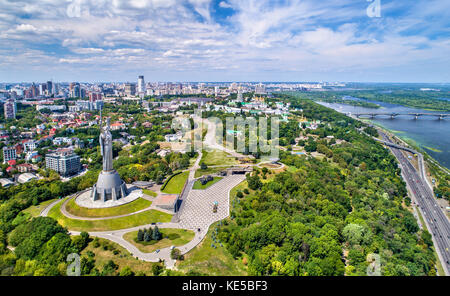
(109, 187)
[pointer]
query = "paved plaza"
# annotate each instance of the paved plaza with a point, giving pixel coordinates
(197, 211)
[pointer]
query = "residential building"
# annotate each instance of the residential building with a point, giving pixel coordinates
(51, 107)
(141, 84)
(130, 89)
(24, 167)
(9, 153)
(64, 162)
(95, 96)
(29, 145)
(10, 109)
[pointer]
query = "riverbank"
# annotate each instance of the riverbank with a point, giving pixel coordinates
(411, 143)
(434, 172)
(428, 133)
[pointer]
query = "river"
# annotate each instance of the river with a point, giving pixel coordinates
(429, 133)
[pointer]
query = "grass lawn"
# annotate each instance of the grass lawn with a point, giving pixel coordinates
(208, 171)
(198, 184)
(211, 261)
(34, 211)
(142, 218)
(128, 208)
(149, 192)
(217, 157)
(176, 184)
(123, 258)
(180, 237)
(240, 187)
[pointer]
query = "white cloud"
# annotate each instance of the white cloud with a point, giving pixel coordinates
(25, 28)
(224, 4)
(261, 36)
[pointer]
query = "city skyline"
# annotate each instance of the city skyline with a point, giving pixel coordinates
(211, 41)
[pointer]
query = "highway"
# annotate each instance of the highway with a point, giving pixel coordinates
(436, 220)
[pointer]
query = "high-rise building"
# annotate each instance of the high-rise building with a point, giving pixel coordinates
(75, 90)
(50, 87)
(9, 153)
(42, 89)
(55, 88)
(130, 89)
(95, 96)
(10, 109)
(141, 84)
(64, 162)
(33, 90)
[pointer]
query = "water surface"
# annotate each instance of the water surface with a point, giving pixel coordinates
(429, 133)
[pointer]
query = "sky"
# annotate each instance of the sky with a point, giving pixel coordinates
(225, 40)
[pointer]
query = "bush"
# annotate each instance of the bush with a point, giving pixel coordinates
(175, 254)
(240, 194)
(96, 243)
(173, 236)
(157, 269)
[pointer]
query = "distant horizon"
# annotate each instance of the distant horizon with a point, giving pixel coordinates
(233, 81)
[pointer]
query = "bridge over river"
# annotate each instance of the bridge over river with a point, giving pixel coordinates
(393, 115)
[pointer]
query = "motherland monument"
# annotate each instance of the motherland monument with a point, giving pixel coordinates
(109, 185)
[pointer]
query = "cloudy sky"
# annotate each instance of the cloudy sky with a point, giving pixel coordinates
(224, 40)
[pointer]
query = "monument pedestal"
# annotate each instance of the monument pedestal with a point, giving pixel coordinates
(109, 187)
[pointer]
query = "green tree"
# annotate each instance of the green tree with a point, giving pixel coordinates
(126, 271)
(156, 235)
(140, 235)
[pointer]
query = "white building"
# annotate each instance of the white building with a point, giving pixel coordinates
(9, 153)
(26, 177)
(64, 162)
(141, 84)
(29, 145)
(6, 182)
(172, 137)
(51, 107)
(62, 140)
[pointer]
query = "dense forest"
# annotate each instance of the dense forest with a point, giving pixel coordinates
(324, 217)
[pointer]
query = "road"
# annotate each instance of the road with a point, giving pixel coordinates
(436, 221)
